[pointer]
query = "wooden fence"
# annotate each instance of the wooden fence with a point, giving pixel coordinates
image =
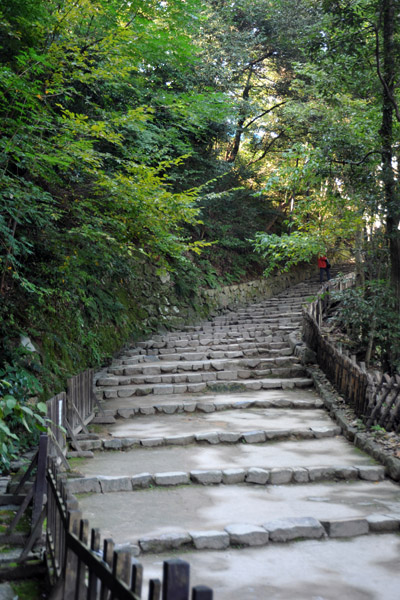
(81, 400)
(70, 412)
(29, 492)
(374, 396)
(78, 565)
(81, 567)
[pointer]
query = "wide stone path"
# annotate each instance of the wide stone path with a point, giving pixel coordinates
(222, 454)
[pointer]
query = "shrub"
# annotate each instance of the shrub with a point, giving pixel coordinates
(368, 315)
(21, 417)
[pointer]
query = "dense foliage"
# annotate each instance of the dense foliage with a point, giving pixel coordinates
(369, 325)
(145, 140)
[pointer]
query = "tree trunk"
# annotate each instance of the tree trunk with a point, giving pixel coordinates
(233, 149)
(358, 252)
(386, 132)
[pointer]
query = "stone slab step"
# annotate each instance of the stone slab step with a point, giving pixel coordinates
(104, 484)
(210, 401)
(258, 436)
(211, 328)
(215, 341)
(173, 404)
(225, 351)
(254, 318)
(266, 316)
(270, 327)
(331, 568)
(280, 530)
(157, 367)
(128, 391)
(209, 505)
(255, 350)
(235, 421)
(187, 339)
(259, 309)
(210, 342)
(201, 371)
(329, 452)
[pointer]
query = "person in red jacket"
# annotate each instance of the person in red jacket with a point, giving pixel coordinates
(323, 264)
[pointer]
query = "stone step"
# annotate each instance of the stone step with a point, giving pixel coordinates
(255, 312)
(222, 336)
(347, 568)
(232, 322)
(196, 373)
(187, 354)
(278, 348)
(202, 339)
(259, 436)
(259, 312)
(204, 406)
(235, 421)
(134, 460)
(162, 367)
(253, 319)
(225, 345)
(279, 530)
(219, 351)
(191, 508)
(128, 391)
(127, 408)
(203, 375)
(261, 324)
(104, 484)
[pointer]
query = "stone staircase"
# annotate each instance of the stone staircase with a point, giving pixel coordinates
(222, 453)
(247, 349)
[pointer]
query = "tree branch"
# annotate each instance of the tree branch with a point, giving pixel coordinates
(264, 113)
(258, 60)
(266, 149)
(356, 163)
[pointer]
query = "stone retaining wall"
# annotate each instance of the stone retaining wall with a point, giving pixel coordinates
(244, 293)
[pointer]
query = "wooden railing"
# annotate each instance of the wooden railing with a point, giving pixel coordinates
(81, 567)
(80, 400)
(70, 412)
(34, 479)
(374, 396)
(317, 309)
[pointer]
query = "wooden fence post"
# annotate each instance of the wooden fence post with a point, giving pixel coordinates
(122, 566)
(40, 481)
(93, 581)
(202, 592)
(137, 578)
(71, 560)
(81, 590)
(154, 589)
(108, 557)
(175, 579)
